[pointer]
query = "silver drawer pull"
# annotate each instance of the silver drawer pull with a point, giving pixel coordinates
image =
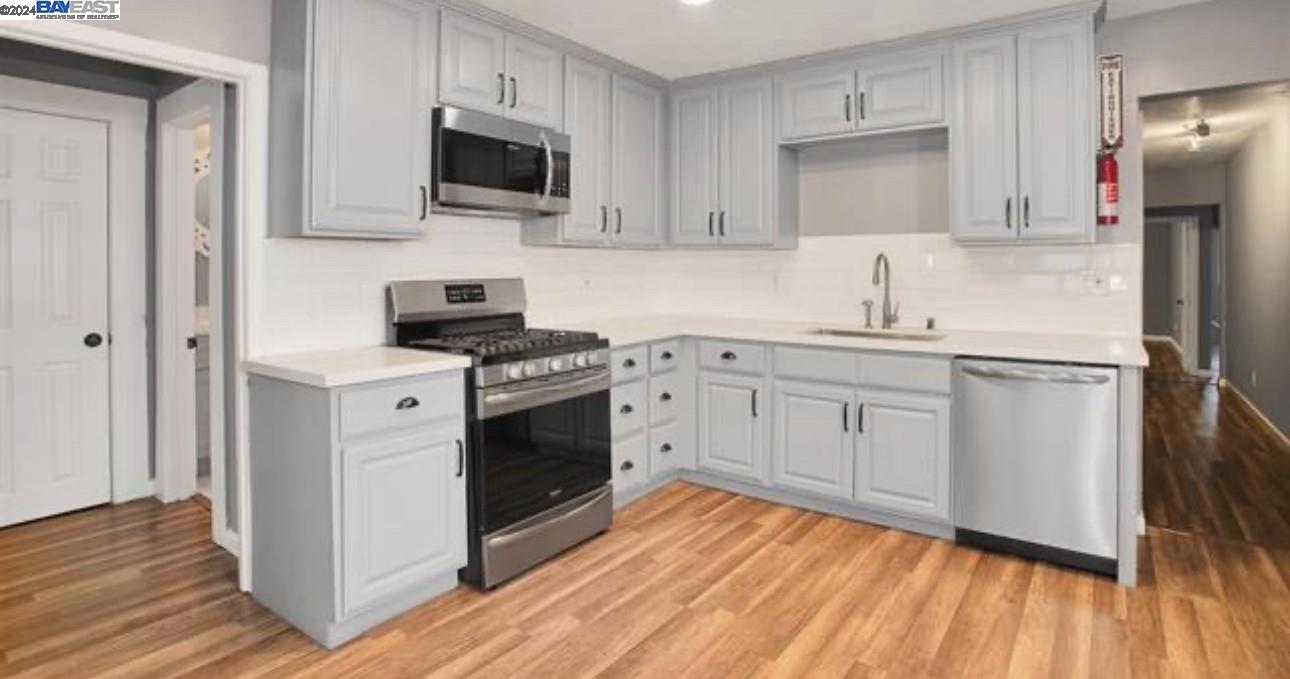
(407, 403)
(1035, 375)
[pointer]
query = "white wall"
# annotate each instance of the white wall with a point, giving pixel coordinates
(1199, 185)
(234, 28)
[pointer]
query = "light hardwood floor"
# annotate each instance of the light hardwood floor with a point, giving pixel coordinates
(693, 582)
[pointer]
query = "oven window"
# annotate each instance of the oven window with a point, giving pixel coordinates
(472, 160)
(538, 458)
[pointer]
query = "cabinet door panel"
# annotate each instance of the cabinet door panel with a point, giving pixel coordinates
(536, 82)
(814, 444)
(637, 162)
(370, 136)
(694, 170)
(747, 149)
(909, 92)
(983, 161)
(1055, 132)
(903, 459)
(816, 103)
(731, 434)
(403, 510)
(472, 64)
(586, 120)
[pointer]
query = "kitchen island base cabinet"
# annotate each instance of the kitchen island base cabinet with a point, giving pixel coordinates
(732, 429)
(360, 499)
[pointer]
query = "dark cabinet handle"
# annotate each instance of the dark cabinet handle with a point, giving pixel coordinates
(627, 466)
(860, 418)
(501, 88)
(862, 105)
(846, 107)
(711, 233)
(721, 224)
(728, 356)
(425, 202)
(754, 403)
(627, 409)
(191, 342)
(629, 363)
(666, 356)
(665, 397)
(665, 448)
(407, 403)
(515, 91)
(1007, 212)
(461, 458)
(1025, 211)
(604, 219)
(93, 339)
(846, 426)
(618, 215)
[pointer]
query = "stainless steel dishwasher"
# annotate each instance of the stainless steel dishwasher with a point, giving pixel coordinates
(1035, 451)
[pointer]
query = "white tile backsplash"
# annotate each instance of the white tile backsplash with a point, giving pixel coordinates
(317, 294)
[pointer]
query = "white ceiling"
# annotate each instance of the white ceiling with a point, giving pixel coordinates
(1232, 114)
(675, 40)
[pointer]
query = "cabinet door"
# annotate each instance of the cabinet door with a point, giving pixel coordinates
(694, 169)
(731, 434)
(901, 93)
(817, 102)
(535, 76)
(814, 445)
(903, 458)
(403, 514)
(747, 148)
(586, 120)
(1055, 131)
(983, 151)
(637, 163)
(370, 135)
(472, 71)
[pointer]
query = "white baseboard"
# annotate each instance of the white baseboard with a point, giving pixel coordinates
(1259, 413)
(1142, 524)
(228, 541)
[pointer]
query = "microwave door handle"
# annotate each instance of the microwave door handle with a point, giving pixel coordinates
(550, 165)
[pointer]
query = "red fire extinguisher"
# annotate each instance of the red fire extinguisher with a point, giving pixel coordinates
(1108, 188)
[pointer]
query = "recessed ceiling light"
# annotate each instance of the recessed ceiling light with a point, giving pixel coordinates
(695, 3)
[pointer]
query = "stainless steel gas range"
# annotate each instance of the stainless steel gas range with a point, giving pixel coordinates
(538, 446)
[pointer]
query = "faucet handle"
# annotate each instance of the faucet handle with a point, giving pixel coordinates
(868, 313)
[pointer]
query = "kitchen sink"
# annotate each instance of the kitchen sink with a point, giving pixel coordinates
(904, 335)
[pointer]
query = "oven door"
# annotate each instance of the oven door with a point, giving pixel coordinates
(498, 167)
(541, 447)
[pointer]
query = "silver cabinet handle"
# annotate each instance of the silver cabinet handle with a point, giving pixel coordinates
(461, 458)
(846, 107)
(1060, 377)
(515, 91)
(501, 88)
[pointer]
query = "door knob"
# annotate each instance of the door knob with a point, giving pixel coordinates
(93, 340)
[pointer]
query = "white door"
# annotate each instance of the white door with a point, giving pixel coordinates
(637, 162)
(903, 456)
(54, 427)
(817, 102)
(731, 435)
(814, 448)
(747, 145)
(472, 64)
(1184, 285)
(1055, 132)
(403, 509)
(535, 75)
(586, 121)
(983, 140)
(900, 93)
(371, 135)
(694, 169)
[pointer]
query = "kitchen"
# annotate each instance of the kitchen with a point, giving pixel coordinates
(673, 338)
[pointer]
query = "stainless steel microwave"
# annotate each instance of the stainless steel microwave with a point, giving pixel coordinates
(491, 166)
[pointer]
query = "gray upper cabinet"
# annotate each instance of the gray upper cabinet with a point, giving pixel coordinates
(485, 68)
(1023, 145)
(636, 161)
(351, 99)
(587, 122)
(902, 90)
(723, 162)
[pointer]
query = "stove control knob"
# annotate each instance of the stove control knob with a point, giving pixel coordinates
(555, 365)
(514, 371)
(531, 368)
(580, 360)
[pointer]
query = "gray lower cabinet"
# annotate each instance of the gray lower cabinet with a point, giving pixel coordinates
(903, 453)
(360, 499)
(732, 427)
(814, 448)
(651, 413)
(353, 84)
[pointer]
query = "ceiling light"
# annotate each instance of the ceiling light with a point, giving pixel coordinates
(1194, 144)
(695, 3)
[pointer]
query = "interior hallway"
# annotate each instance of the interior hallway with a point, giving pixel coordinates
(694, 582)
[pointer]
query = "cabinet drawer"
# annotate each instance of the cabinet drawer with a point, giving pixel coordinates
(631, 463)
(732, 356)
(627, 409)
(664, 396)
(664, 356)
(906, 373)
(666, 451)
(815, 365)
(629, 364)
(387, 406)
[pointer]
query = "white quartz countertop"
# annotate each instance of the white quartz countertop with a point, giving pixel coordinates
(341, 367)
(1094, 349)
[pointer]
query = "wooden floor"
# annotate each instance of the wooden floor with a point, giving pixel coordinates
(694, 582)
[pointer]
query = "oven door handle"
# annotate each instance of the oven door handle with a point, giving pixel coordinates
(501, 403)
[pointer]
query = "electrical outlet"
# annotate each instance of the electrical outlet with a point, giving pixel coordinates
(1254, 378)
(1092, 281)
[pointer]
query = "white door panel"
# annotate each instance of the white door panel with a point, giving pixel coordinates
(54, 454)
(472, 64)
(535, 74)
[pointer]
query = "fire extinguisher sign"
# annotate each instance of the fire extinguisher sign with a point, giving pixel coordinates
(1111, 71)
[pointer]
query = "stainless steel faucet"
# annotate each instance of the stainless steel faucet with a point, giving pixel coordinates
(882, 274)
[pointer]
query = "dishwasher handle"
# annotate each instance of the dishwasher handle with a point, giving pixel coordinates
(1022, 374)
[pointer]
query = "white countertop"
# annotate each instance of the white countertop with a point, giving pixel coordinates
(341, 367)
(1095, 349)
